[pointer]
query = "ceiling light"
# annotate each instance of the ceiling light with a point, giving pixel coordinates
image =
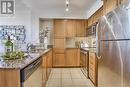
(67, 5)
(67, 1)
(67, 9)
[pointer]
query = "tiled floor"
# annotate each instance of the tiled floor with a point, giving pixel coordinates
(68, 77)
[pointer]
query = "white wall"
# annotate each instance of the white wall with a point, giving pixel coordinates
(34, 28)
(22, 16)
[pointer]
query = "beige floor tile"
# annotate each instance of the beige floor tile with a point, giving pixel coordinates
(68, 86)
(76, 76)
(65, 72)
(56, 70)
(67, 81)
(57, 76)
(65, 76)
(82, 86)
(79, 82)
(68, 77)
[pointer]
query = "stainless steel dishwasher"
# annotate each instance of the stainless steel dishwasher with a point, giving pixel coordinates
(31, 75)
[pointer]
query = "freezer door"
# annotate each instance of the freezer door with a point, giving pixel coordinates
(115, 25)
(113, 66)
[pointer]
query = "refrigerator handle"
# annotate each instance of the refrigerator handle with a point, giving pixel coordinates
(97, 42)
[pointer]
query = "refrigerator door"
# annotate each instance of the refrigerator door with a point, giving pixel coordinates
(114, 64)
(115, 25)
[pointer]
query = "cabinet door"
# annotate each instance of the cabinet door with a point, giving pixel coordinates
(44, 70)
(58, 58)
(9, 78)
(90, 21)
(35, 80)
(49, 63)
(72, 57)
(80, 28)
(93, 67)
(70, 28)
(59, 43)
(109, 5)
(59, 28)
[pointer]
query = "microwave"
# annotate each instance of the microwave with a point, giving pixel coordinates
(91, 31)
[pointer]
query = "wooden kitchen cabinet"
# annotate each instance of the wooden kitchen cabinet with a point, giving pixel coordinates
(98, 15)
(48, 63)
(9, 78)
(93, 68)
(62, 30)
(59, 28)
(44, 69)
(76, 28)
(58, 58)
(109, 5)
(70, 28)
(72, 57)
(59, 43)
(80, 28)
(95, 17)
(90, 21)
(46, 66)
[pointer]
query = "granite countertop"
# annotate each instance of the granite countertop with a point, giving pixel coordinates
(21, 63)
(90, 49)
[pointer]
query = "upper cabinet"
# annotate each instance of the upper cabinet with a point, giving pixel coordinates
(81, 28)
(70, 28)
(59, 29)
(76, 28)
(94, 18)
(110, 5)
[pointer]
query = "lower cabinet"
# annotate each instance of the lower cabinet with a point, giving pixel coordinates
(44, 70)
(93, 68)
(69, 57)
(46, 67)
(48, 63)
(72, 57)
(58, 58)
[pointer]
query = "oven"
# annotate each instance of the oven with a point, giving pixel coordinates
(84, 62)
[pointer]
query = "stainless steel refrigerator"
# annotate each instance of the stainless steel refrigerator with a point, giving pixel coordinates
(113, 48)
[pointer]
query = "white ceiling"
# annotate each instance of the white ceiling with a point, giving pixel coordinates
(56, 8)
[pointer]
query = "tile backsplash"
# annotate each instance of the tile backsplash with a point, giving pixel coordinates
(75, 41)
